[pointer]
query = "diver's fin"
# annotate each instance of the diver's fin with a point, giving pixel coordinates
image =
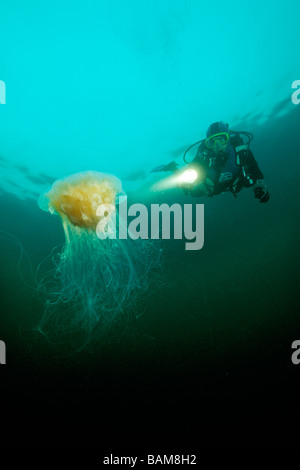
(172, 166)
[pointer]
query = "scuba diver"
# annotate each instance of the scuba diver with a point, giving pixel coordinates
(224, 162)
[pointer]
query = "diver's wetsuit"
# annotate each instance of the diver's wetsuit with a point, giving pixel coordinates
(228, 172)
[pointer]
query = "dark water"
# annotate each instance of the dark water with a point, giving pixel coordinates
(207, 364)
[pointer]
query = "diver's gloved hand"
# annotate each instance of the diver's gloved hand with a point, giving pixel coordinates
(261, 192)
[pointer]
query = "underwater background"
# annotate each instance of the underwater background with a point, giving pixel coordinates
(121, 87)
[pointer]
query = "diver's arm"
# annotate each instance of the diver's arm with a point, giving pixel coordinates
(198, 190)
(253, 171)
(201, 187)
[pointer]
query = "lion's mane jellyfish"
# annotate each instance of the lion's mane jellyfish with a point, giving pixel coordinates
(95, 281)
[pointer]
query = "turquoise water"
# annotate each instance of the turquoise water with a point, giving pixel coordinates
(122, 87)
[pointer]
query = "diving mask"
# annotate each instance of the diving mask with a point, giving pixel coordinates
(217, 140)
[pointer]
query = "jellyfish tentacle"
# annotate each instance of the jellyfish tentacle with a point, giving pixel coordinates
(96, 281)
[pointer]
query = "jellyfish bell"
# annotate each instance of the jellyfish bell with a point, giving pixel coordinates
(76, 198)
(97, 276)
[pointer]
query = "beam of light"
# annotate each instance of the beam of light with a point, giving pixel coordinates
(188, 176)
(185, 177)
